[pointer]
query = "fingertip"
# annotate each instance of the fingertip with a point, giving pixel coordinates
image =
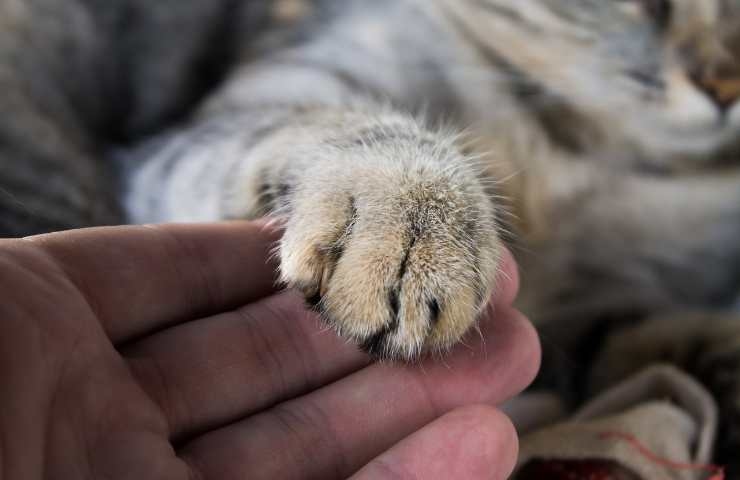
(491, 434)
(507, 279)
(472, 442)
(510, 348)
(529, 352)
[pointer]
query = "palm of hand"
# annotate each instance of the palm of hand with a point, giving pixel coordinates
(117, 361)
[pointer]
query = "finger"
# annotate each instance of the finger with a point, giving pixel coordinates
(334, 431)
(476, 442)
(207, 373)
(507, 281)
(138, 279)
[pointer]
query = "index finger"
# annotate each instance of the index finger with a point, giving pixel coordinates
(142, 278)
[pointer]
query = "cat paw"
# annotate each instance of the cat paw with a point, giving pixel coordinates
(400, 262)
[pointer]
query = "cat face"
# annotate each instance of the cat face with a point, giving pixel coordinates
(660, 75)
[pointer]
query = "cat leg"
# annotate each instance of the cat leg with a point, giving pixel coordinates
(388, 228)
(389, 231)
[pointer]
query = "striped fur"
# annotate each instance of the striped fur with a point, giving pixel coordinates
(568, 96)
(79, 76)
(576, 111)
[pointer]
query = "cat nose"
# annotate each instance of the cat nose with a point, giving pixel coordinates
(724, 91)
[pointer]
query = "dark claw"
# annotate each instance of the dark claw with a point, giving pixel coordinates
(434, 311)
(395, 307)
(376, 344)
(314, 302)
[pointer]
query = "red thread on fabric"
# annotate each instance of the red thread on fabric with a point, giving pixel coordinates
(718, 473)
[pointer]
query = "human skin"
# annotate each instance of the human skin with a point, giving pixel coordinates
(167, 352)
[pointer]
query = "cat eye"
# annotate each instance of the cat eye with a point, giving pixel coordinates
(659, 10)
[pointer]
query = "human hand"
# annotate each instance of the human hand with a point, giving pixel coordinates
(166, 353)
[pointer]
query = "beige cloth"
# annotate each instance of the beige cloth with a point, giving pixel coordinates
(666, 410)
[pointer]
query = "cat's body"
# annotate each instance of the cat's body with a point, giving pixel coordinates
(601, 143)
(613, 198)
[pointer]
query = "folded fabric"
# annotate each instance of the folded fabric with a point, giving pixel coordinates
(657, 425)
(707, 345)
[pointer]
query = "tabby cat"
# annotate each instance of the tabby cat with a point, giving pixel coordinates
(402, 143)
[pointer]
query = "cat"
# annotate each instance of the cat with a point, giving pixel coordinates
(599, 134)
(403, 144)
